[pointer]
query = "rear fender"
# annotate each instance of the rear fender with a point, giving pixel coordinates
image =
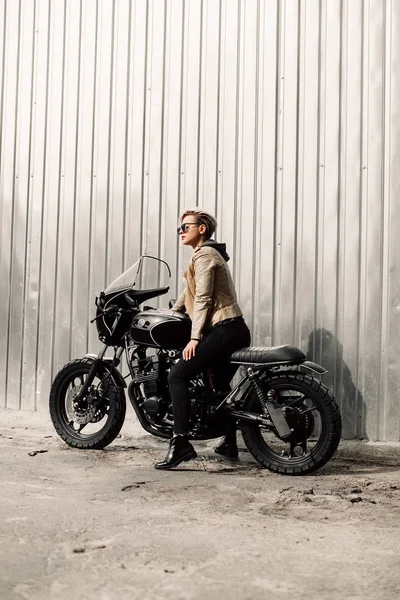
(312, 366)
(106, 362)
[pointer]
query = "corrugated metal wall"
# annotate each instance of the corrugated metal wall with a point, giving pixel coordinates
(279, 116)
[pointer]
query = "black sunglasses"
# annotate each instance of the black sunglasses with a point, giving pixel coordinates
(185, 227)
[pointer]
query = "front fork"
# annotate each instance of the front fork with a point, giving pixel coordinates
(98, 360)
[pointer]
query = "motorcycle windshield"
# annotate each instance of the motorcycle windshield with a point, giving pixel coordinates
(148, 273)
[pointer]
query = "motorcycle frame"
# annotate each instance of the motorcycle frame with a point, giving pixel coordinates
(232, 400)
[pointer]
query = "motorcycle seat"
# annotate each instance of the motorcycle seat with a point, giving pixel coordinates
(275, 354)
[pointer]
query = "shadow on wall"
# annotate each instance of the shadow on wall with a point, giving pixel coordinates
(325, 349)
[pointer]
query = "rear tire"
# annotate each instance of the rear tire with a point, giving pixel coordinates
(272, 455)
(113, 407)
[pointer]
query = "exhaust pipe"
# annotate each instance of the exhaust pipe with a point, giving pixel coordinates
(142, 419)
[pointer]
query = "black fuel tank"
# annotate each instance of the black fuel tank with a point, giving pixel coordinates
(169, 330)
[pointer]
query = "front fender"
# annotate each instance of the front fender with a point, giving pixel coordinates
(106, 362)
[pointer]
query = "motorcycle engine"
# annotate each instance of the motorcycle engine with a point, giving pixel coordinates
(152, 406)
(150, 375)
(147, 375)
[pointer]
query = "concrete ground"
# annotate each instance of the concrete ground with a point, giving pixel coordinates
(106, 525)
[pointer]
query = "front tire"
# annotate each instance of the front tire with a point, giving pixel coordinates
(102, 412)
(313, 416)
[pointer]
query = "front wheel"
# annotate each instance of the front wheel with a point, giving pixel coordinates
(94, 421)
(311, 413)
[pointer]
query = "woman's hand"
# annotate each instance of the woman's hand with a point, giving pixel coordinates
(190, 350)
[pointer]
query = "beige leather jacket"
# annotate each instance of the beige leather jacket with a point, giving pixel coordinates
(209, 296)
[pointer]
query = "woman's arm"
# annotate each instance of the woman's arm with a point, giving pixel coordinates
(179, 305)
(204, 268)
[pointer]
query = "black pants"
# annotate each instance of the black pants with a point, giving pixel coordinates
(216, 347)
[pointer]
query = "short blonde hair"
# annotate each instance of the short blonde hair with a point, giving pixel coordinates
(202, 218)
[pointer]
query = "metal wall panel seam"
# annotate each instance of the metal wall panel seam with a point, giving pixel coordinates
(278, 93)
(81, 282)
(147, 127)
(8, 343)
(190, 157)
(341, 216)
(162, 141)
(349, 273)
(217, 157)
(56, 273)
(21, 214)
(35, 233)
(222, 83)
(102, 137)
(307, 185)
(297, 316)
(28, 210)
(279, 192)
(91, 197)
(239, 138)
(208, 161)
(178, 284)
(290, 192)
(66, 331)
(199, 99)
(394, 325)
(359, 402)
(256, 211)
(117, 149)
(376, 223)
(128, 87)
(362, 202)
(259, 153)
(332, 173)
(298, 219)
(386, 300)
(248, 190)
(153, 146)
(319, 212)
(40, 274)
(145, 119)
(169, 166)
(50, 195)
(3, 69)
(110, 131)
(237, 106)
(74, 210)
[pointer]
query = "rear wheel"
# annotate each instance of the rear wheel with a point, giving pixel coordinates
(312, 414)
(93, 422)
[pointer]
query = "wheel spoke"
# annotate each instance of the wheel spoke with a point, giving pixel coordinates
(304, 412)
(73, 424)
(297, 400)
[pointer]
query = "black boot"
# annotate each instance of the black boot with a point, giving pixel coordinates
(180, 449)
(228, 446)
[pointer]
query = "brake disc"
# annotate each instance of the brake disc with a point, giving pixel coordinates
(79, 414)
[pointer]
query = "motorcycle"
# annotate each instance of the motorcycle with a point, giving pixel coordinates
(288, 418)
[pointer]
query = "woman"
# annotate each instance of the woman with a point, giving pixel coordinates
(218, 328)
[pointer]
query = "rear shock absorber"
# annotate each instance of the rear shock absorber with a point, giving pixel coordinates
(269, 405)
